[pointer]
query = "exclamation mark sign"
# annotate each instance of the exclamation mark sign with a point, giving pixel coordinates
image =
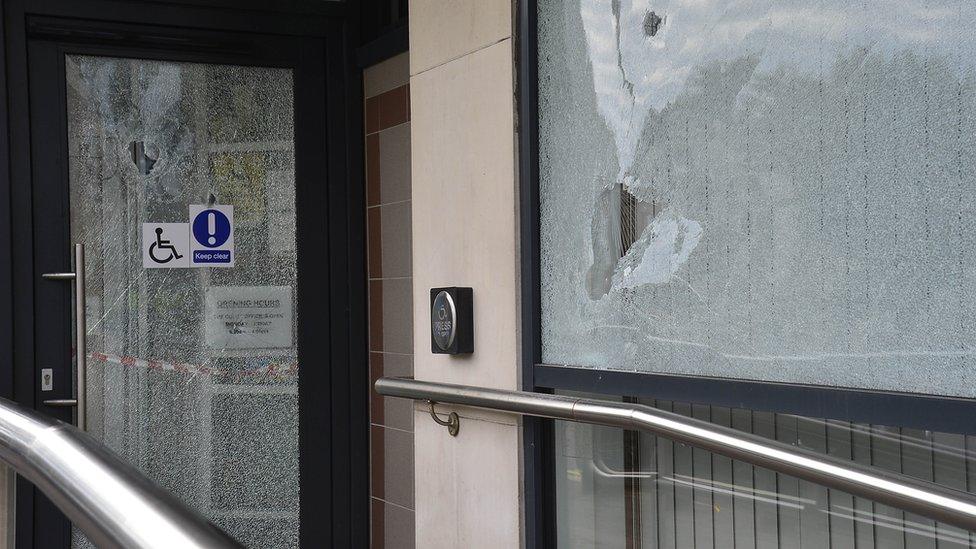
(212, 228)
(211, 235)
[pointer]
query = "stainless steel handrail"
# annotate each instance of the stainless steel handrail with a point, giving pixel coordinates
(924, 498)
(111, 502)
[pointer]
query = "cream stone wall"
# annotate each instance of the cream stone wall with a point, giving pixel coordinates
(464, 234)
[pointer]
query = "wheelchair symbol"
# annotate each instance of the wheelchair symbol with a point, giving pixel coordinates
(161, 244)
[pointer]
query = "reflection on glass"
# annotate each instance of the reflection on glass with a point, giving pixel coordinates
(628, 489)
(208, 412)
(765, 189)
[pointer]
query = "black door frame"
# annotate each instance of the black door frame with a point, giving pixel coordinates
(317, 39)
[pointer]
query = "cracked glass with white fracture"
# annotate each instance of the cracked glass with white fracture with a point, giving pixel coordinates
(769, 190)
(205, 412)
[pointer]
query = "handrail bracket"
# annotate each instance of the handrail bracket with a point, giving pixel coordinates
(453, 421)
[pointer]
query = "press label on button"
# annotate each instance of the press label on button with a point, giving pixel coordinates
(211, 256)
(443, 320)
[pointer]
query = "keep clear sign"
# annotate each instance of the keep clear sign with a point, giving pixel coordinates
(211, 236)
(248, 317)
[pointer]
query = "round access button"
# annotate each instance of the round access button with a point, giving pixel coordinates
(443, 321)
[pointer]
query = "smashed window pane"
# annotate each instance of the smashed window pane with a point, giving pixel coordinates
(766, 190)
(175, 384)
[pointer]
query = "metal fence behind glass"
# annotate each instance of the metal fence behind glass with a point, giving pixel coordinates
(618, 488)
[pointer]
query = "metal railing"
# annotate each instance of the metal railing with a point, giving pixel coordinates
(112, 503)
(917, 496)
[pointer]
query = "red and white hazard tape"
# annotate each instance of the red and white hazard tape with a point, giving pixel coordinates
(182, 367)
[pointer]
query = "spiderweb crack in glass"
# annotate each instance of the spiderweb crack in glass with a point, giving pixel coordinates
(761, 190)
(216, 426)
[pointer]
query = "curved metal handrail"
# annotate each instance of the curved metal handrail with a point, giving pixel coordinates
(921, 497)
(112, 503)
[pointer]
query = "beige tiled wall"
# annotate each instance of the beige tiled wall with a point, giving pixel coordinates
(388, 230)
(444, 30)
(464, 234)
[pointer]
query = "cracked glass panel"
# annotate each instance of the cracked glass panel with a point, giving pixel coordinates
(206, 412)
(767, 189)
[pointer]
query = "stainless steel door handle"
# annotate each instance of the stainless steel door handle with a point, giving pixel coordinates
(58, 276)
(81, 351)
(61, 402)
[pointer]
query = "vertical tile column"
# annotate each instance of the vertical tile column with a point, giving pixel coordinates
(387, 121)
(464, 234)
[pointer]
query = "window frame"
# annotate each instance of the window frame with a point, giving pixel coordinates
(892, 408)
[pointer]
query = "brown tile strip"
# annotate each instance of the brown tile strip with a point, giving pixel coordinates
(372, 115)
(378, 524)
(374, 242)
(392, 465)
(387, 109)
(377, 403)
(390, 412)
(393, 107)
(376, 315)
(377, 462)
(372, 169)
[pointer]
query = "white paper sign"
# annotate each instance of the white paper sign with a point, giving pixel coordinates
(211, 236)
(248, 317)
(165, 245)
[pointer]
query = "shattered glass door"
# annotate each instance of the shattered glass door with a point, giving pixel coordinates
(774, 190)
(208, 412)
